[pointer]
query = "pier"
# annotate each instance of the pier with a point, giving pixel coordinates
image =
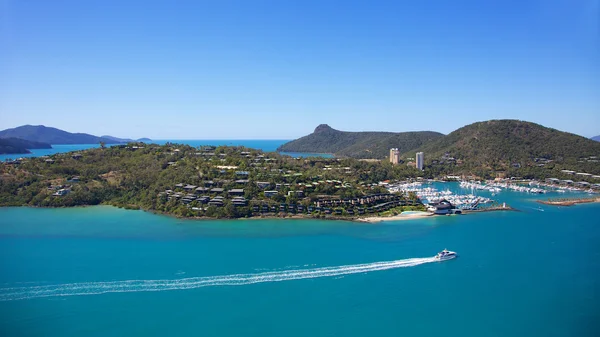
(491, 208)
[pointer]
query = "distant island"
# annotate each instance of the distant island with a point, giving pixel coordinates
(20, 146)
(362, 145)
(597, 138)
(126, 140)
(50, 135)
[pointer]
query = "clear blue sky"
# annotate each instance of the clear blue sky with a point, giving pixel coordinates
(277, 69)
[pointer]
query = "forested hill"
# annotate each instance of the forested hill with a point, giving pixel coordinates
(358, 144)
(41, 133)
(510, 141)
(18, 146)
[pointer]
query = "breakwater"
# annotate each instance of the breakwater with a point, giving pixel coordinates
(569, 201)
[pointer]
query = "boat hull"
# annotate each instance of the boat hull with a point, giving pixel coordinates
(446, 258)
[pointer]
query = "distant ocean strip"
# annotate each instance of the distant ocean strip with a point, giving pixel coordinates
(97, 288)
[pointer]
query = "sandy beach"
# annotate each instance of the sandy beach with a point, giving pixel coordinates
(396, 217)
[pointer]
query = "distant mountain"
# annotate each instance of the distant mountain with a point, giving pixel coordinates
(127, 140)
(503, 142)
(358, 144)
(40, 133)
(118, 140)
(18, 146)
(597, 138)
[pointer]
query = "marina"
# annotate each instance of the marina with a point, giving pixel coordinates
(433, 195)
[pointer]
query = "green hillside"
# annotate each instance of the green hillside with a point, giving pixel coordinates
(358, 144)
(501, 143)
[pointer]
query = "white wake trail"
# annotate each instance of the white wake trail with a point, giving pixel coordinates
(95, 288)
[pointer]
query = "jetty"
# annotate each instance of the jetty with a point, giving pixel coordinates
(492, 208)
(569, 201)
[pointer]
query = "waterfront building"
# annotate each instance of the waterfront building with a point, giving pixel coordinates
(443, 207)
(420, 158)
(394, 155)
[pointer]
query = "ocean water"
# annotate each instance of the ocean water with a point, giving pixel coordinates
(268, 145)
(47, 152)
(102, 271)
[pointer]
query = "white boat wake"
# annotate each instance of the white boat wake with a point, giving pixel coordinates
(96, 288)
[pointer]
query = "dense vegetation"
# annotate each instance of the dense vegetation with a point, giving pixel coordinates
(16, 145)
(139, 176)
(496, 148)
(507, 145)
(174, 178)
(358, 144)
(40, 133)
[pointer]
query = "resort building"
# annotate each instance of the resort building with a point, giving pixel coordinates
(443, 207)
(271, 193)
(61, 192)
(394, 156)
(419, 160)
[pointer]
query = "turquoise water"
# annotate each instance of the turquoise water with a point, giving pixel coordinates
(47, 152)
(530, 273)
(268, 145)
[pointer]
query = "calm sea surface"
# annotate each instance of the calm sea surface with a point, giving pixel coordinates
(268, 145)
(102, 271)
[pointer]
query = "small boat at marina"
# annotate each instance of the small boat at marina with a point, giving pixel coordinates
(446, 255)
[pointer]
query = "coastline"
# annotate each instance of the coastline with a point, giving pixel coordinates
(365, 219)
(375, 219)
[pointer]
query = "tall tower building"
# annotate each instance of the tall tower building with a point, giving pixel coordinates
(420, 160)
(394, 156)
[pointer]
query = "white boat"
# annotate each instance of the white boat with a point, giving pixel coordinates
(446, 255)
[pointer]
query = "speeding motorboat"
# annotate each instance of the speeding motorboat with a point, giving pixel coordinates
(445, 255)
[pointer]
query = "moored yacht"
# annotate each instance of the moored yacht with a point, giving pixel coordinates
(445, 255)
